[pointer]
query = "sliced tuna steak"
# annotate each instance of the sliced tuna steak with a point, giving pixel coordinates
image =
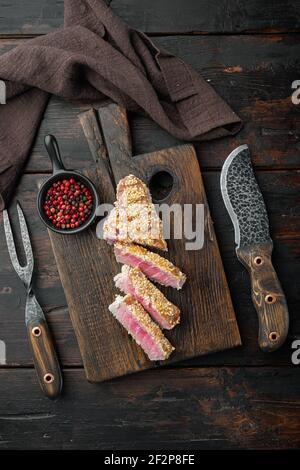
(133, 281)
(151, 264)
(134, 218)
(110, 227)
(139, 325)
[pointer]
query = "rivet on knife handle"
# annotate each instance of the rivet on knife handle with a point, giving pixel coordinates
(267, 295)
(43, 352)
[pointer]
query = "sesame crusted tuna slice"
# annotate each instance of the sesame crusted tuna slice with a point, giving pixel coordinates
(154, 266)
(139, 325)
(134, 218)
(110, 227)
(133, 281)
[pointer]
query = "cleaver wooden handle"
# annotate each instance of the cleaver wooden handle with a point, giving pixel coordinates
(267, 295)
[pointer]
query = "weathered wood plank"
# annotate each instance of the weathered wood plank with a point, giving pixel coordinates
(14, 334)
(203, 408)
(156, 16)
(281, 192)
(210, 325)
(254, 75)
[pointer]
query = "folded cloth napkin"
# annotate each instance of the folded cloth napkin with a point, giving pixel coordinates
(97, 55)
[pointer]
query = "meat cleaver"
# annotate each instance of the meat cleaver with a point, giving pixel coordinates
(245, 205)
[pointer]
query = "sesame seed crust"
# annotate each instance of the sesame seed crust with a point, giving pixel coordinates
(134, 216)
(153, 296)
(145, 321)
(132, 190)
(152, 258)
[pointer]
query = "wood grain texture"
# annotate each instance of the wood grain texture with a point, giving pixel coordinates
(253, 73)
(196, 408)
(281, 192)
(267, 295)
(87, 267)
(208, 320)
(92, 132)
(181, 408)
(116, 131)
(167, 16)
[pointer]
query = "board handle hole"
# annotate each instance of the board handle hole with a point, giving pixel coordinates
(160, 185)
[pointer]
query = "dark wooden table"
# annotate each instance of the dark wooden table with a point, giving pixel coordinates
(249, 51)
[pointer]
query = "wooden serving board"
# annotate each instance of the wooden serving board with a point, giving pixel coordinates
(87, 266)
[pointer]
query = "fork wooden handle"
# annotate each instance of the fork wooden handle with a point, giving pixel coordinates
(44, 356)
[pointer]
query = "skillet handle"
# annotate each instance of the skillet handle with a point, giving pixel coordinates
(54, 153)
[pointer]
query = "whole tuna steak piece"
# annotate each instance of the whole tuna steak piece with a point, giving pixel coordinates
(134, 218)
(141, 327)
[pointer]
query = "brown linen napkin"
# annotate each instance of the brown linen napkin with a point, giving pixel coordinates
(97, 55)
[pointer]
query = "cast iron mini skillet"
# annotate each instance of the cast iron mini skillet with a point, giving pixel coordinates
(58, 173)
